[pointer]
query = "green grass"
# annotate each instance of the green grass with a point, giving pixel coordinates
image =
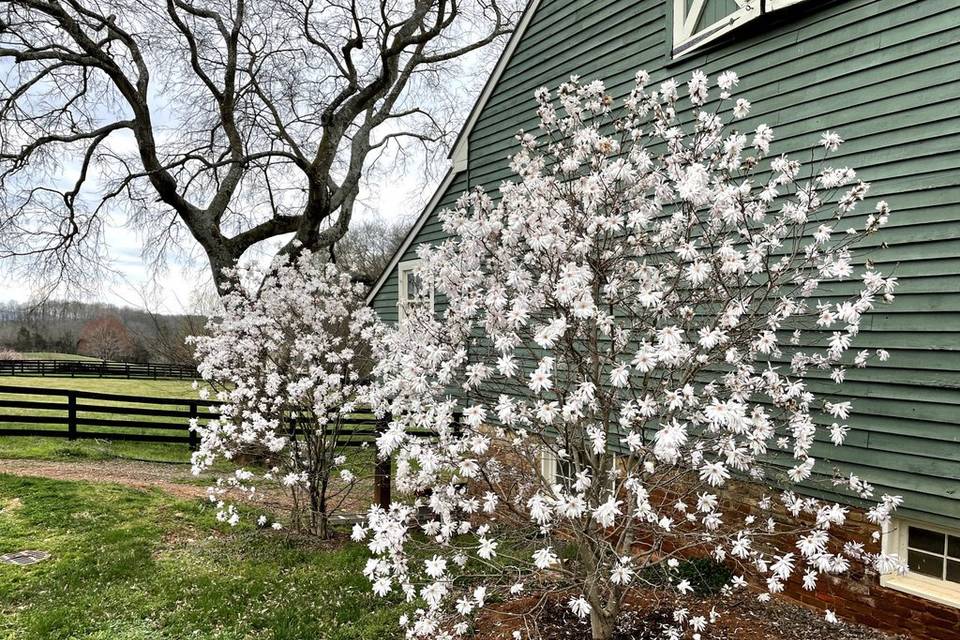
(136, 565)
(63, 449)
(51, 355)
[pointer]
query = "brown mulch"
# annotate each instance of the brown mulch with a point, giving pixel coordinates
(643, 619)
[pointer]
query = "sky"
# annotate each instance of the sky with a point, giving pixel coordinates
(401, 194)
(400, 197)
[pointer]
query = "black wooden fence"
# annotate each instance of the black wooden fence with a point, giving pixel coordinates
(67, 413)
(97, 369)
(71, 414)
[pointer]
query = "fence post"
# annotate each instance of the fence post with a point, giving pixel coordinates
(381, 475)
(381, 483)
(72, 415)
(194, 438)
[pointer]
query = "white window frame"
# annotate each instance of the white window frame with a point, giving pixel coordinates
(686, 39)
(894, 542)
(403, 294)
(549, 466)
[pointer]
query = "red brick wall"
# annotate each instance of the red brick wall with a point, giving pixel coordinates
(857, 596)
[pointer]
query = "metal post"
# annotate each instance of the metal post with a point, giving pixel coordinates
(381, 473)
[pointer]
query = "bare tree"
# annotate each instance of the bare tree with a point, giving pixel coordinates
(105, 337)
(230, 121)
(366, 249)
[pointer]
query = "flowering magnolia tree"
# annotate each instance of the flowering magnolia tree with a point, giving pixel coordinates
(665, 311)
(287, 360)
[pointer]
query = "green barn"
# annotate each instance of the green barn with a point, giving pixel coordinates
(886, 75)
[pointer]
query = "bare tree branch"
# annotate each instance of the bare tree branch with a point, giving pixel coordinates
(226, 121)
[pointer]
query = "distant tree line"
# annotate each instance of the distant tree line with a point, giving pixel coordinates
(100, 330)
(131, 334)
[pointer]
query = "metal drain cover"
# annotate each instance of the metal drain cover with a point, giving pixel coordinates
(24, 557)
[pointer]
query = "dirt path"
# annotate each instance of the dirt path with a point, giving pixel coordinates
(174, 479)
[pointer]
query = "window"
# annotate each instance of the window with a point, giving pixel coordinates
(932, 555)
(699, 22)
(410, 290)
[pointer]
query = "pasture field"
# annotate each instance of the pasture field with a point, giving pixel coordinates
(61, 448)
(52, 355)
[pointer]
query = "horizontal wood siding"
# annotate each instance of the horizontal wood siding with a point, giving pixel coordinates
(385, 302)
(886, 75)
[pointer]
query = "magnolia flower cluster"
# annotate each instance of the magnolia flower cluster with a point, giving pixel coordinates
(286, 358)
(656, 309)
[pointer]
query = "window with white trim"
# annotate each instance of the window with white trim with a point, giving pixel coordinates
(700, 22)
(932, 555)
(410, 290)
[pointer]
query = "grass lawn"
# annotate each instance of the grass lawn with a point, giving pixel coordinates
(62, 449)
(140, 565)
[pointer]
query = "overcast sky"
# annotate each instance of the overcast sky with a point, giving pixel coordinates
(400, 197)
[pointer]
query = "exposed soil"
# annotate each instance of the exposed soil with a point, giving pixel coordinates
(174, 479)
(644, 619)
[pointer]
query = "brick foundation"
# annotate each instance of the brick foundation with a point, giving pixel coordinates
(857, 596)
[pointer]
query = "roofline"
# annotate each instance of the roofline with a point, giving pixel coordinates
(507, 53)
(408, 240)
(459, 152)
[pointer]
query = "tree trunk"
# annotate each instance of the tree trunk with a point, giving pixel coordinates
(319, 519)
(601, 624)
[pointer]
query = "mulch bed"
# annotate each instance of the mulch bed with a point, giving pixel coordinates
(643, 619)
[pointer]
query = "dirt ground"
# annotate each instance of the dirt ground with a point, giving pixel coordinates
(174, 479)
(746, 620)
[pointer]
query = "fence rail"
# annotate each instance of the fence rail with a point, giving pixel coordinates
(72, 414)
(97, 369)
(67, 413)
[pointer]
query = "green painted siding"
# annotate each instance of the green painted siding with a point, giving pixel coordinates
(886, 75)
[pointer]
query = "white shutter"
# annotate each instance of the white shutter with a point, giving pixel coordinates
(688, 31)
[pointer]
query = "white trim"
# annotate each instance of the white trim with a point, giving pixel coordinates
(894, 542)
(459, 153)
(686, 39)
(549, 466)
(414, 230)
(403, 294)
(460, 145)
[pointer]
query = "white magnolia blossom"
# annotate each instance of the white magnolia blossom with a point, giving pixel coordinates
(660, 308)
(286, 350)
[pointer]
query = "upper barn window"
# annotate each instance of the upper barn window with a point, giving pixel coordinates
(410, 288)
(698, 22)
